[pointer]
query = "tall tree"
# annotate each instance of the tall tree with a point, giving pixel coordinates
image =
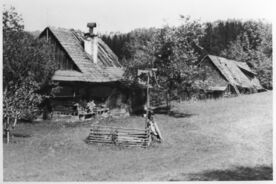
(28, 65)
(219, 34)
(171, 51)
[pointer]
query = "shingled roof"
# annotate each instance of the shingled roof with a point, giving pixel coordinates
(232, 72)
(107, 69)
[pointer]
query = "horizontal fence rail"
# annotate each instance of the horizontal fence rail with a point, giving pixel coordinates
(129, 137)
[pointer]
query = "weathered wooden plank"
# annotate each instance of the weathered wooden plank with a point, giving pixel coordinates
(109, 142)
(122, 135)
(118, 133)
(131, 140)
(123, 144)
(110, 127)
(119, 139)
(118, 130)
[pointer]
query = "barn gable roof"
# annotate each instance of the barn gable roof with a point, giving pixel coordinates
(232, 72)
(244, 66)
(107, 69)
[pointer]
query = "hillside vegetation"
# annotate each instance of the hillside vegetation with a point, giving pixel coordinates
(247, 41)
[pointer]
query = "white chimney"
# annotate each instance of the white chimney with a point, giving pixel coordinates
(95, 49)
(91, 42)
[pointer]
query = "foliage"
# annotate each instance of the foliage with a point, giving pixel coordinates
(117, 41)
(12, 21)
(171, 51)
(256, 52)
(140, 51)
(28, 65)
(218, 34)
(176, 57)
(20, 100)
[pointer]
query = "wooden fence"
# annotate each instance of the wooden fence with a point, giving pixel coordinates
(119, 136)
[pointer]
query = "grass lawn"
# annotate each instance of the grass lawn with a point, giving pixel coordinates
(225, 139)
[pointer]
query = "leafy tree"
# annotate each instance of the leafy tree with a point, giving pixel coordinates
(28, 65)
(139, 51)
(180, 72)
(171, 51)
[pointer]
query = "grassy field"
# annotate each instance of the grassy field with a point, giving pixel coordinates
(225, 139)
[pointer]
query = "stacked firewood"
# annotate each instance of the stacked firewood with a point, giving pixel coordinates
(119, 136)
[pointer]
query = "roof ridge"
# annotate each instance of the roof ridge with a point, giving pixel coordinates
(231, 70)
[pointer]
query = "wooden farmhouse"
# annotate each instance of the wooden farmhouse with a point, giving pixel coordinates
(88, 70)
(225, 77)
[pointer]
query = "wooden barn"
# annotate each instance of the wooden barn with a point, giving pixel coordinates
(225, 77)
(88, 70)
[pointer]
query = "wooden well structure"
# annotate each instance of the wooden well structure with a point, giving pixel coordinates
(126, 137)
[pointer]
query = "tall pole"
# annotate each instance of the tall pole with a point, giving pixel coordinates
(148, 91)
(148, 101)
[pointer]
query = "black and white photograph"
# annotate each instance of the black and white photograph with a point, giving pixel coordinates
(137, 90)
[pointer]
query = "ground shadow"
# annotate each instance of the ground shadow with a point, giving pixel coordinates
(16, 137)
(236, 174)
(176, 114)
(172, 113)
(20, 135)
(162, 110)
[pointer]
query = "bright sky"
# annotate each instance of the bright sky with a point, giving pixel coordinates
(126, 15)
